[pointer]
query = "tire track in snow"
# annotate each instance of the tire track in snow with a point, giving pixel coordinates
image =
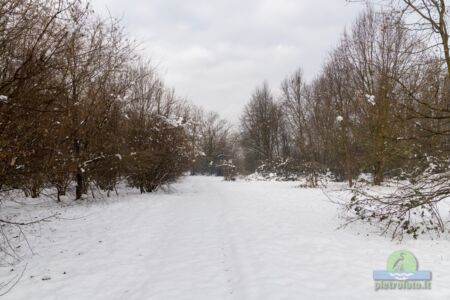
(192, 242)
(228, 248)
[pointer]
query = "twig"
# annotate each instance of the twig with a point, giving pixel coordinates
(15, 283)
(29, 223)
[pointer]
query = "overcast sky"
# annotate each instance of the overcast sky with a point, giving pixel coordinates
(215, 52)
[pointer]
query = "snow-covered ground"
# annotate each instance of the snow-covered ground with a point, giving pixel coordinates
(209, 239)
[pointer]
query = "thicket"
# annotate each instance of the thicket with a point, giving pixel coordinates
(79, 107)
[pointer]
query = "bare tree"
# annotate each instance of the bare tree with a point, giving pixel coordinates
(294, 103)
(260, 125)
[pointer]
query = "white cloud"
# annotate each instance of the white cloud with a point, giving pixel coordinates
(215, 52)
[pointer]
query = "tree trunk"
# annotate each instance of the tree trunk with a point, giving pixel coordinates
(378, 176)
(79, 175)
(79, 187)
(34, 192)
(348, 171)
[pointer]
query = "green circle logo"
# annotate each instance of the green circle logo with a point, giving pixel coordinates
(402, 261)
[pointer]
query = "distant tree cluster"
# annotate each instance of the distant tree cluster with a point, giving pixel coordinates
(217, 146)
(379, 106)
(78, 105)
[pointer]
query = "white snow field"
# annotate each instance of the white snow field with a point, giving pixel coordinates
(210, 239)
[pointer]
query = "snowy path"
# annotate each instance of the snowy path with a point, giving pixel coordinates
(210, 239)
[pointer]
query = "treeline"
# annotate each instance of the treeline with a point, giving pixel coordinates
(216, 145)
(380, 105)
(79, 107)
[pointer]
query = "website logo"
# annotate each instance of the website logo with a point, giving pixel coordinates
(402, 273)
